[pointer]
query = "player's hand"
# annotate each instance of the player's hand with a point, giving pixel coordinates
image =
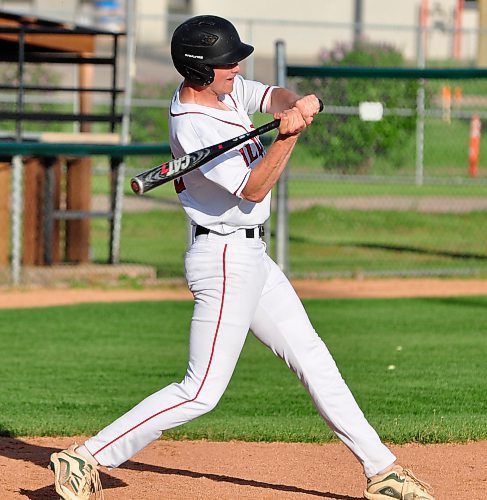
(308, 106)
(292, 121)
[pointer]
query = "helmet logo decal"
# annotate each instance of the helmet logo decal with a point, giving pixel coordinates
(209, 39)
(194, 56)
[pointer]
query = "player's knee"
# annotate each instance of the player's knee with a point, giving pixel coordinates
(207, 402)
(203, 400)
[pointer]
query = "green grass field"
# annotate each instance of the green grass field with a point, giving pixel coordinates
(301, 187)
(375, 241)
(323, 240)
(73, 369)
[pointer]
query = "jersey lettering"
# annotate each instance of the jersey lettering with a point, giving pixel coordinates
(251, 152)
(179, 185)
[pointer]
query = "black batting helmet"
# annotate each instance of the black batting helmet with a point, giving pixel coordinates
(201, 43)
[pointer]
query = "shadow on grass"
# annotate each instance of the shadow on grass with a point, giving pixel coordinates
(459, 301)
(393, 248)
(418, 250)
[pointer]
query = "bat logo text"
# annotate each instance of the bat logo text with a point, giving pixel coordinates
(175, 166)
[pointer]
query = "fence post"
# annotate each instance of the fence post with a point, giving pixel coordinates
(282, 202)
(117, 165)
(16, 218)
(249, 63)
(421, 56)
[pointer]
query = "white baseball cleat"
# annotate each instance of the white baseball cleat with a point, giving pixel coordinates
(398, 483)
(74, 477)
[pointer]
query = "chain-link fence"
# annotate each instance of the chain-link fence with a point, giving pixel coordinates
(391, 179)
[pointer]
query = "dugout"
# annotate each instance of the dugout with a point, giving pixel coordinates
(52, 184)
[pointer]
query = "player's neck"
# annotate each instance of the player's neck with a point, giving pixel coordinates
(202, 96)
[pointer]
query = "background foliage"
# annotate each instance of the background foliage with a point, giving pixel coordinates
(345, 142)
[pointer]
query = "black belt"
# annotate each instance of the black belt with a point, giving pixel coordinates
(249, 233)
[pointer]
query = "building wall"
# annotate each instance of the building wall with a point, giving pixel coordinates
(305, 37)
(307, 30)
(151, 25)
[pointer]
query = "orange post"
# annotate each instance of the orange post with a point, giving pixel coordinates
(446, 103)
(423, 22)
(474, 149)
(458, 97)
(457, 38)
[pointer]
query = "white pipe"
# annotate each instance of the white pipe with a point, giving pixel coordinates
(130, 20)
(16, 218)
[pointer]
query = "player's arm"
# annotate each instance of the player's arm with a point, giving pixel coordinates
(265, 175)
(282, 98)
(295, 113)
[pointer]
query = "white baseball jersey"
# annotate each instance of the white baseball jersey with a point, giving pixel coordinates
(211, 195)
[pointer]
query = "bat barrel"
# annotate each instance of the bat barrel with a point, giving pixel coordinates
(137, 186)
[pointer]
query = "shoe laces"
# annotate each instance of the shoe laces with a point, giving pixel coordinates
(423, 484)
(95, 484)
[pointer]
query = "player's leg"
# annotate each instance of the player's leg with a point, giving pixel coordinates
(282, 324)
(226, 282)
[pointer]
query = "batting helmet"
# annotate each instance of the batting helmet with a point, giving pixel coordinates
(203, 42)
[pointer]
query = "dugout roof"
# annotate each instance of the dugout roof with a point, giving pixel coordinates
(48, 35)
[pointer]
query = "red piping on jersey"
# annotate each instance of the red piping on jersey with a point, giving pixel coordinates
(209, 116)
(234, 101)
(207, 368)
(243, 180)
(263, 99)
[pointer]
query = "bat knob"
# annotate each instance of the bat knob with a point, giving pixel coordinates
(322, 106)
(137, 186)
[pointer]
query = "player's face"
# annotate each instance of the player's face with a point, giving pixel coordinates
(224, 76)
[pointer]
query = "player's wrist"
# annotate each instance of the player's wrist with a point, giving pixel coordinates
(292, 137)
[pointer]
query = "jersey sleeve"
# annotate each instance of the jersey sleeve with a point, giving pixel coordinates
(254, 96)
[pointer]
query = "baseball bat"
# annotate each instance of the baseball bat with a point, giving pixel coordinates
(166, 172)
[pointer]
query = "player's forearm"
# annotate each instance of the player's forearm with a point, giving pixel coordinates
(282, 99)
(265, 175)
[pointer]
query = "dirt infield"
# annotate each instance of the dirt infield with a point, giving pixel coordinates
(181, 470)
(336, 288)
(173, 470)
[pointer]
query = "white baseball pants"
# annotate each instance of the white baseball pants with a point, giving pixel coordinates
(237, 286)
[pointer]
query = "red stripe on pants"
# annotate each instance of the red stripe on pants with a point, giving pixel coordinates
(206, 373)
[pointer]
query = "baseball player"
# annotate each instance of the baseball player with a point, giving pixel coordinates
(236, 286)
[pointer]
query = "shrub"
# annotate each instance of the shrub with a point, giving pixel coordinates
(343, 141)
(149, 124)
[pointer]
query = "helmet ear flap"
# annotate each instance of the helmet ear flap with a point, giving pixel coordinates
(197, 73)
